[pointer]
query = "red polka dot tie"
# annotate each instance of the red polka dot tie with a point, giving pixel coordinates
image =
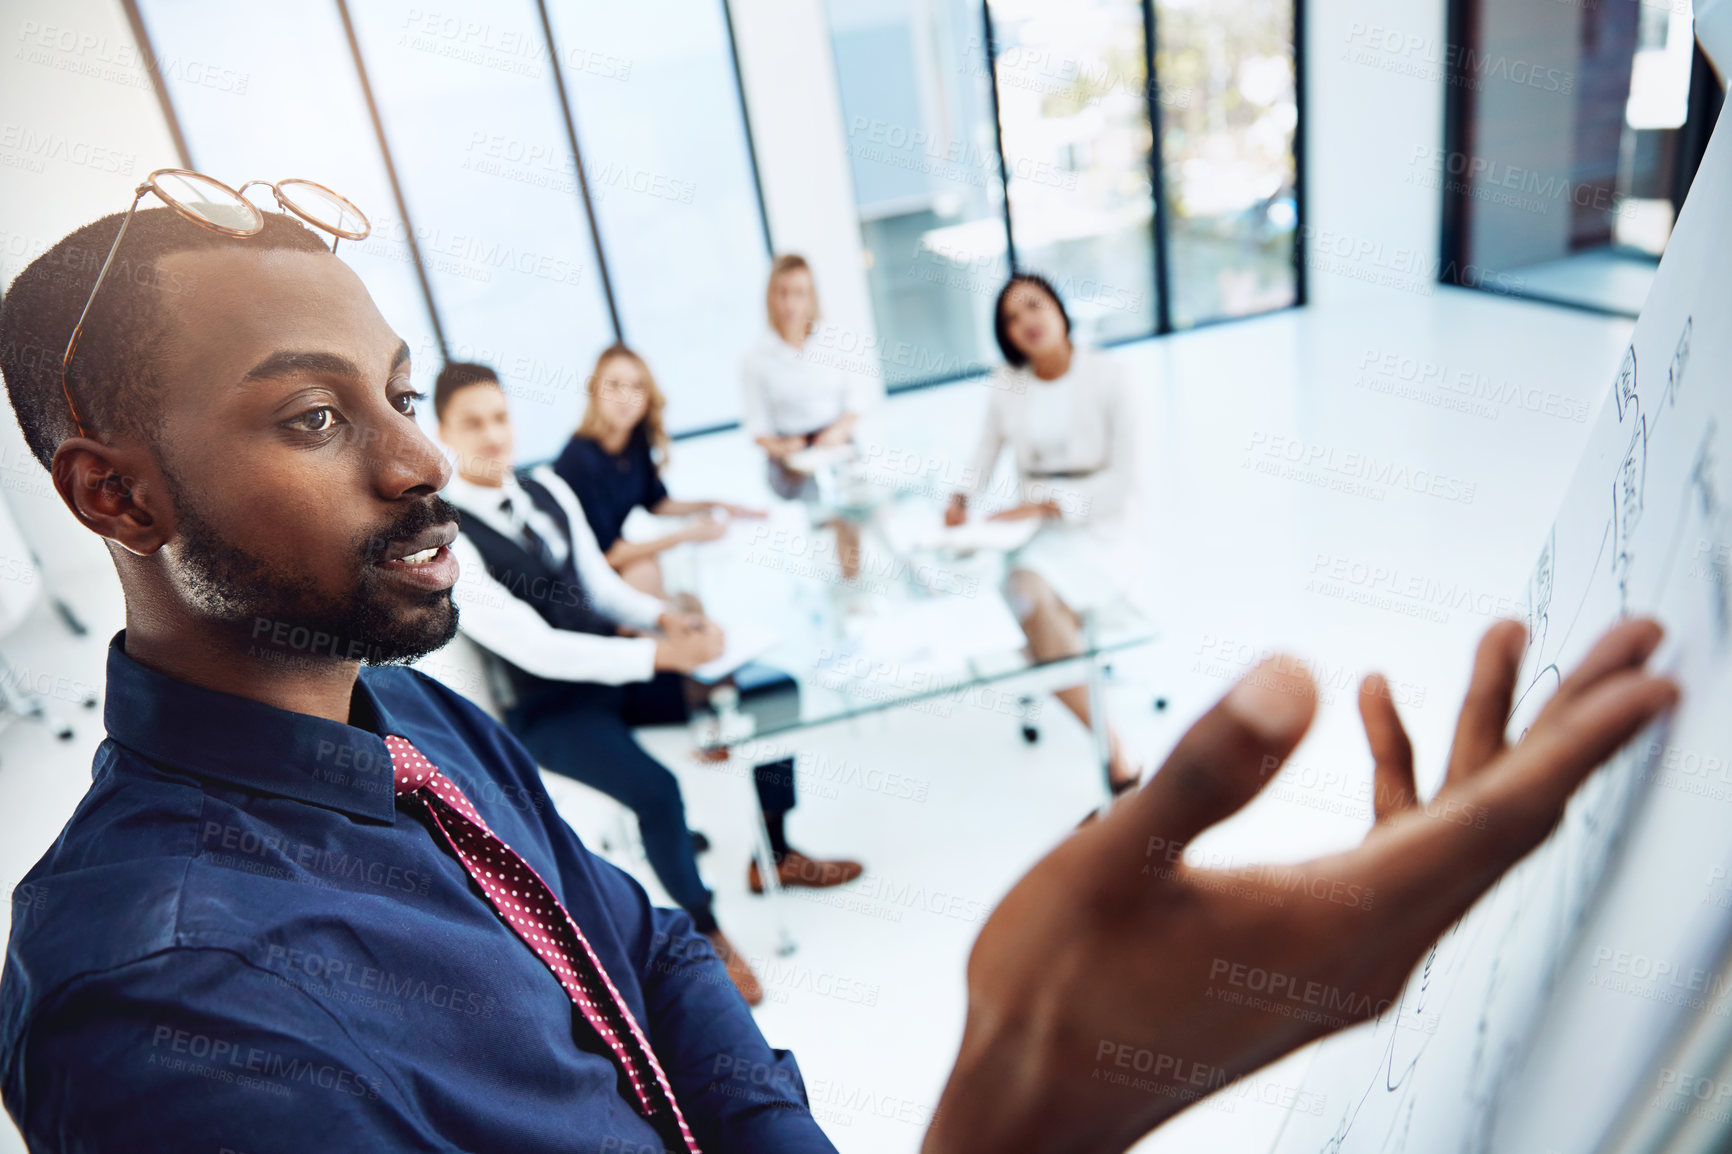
(530, 908)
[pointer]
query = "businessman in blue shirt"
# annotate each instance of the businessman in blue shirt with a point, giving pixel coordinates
(300, 907)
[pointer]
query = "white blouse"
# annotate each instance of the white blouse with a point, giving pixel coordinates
(1074, 439)
(789, 391)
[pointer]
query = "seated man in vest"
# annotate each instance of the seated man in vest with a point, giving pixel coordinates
(538, 593)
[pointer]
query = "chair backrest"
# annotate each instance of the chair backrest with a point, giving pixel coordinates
(20, 578)
(465, 667)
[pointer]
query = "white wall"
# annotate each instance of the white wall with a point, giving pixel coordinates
(79, 129)
(795, 109)
(1376, 74)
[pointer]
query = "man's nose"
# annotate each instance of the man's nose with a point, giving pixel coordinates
(408, 461)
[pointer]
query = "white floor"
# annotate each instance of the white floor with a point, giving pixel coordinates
(1366, 486)
(1600, 278)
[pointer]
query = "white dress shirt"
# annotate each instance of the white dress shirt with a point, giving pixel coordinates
(1082, 424)
(789, 392)
(509, 627)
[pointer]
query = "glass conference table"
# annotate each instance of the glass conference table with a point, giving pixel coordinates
(923, 625)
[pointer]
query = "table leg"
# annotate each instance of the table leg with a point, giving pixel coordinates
(766, 859)
(1097, 703)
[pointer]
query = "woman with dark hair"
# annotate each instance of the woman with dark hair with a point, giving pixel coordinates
(1066, 414)
(614, 461)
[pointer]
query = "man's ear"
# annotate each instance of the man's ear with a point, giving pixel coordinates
(117, 493)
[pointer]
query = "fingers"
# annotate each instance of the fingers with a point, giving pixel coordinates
(1625, 645)
(1435, 860)
(1391, 751)
(1485, 712)
(1226, 757)
(1554, 757)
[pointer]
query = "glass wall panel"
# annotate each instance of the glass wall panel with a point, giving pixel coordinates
(1073, 111)
(1577, 134)
(472, 117)
(1228, 114)
(284, 100)
(916, 94)
(657, 106)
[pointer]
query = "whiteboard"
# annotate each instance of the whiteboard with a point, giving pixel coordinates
(1584, 999)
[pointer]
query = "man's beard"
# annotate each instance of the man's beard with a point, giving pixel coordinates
(283, 613)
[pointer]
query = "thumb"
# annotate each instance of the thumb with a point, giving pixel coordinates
(1226, 757)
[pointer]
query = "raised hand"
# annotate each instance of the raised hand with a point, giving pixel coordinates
(1112, 955)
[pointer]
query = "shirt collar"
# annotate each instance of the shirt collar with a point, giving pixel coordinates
(250, 744)
(473, 498)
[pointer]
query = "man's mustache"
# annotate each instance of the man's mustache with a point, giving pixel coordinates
(417, 519)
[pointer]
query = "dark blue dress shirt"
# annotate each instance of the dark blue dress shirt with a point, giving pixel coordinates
(239, 942)
(609, 486)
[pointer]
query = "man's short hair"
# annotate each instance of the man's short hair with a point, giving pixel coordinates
(115, 375)
(458, 375)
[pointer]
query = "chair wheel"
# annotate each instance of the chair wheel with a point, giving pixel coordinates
(1030, 734)
(64, 733)
(1160, 705)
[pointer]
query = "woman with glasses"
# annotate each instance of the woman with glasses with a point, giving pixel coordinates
(614, 462)
(1065, 411)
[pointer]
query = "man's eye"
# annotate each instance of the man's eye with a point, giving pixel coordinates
(318, 420)
(405, 402)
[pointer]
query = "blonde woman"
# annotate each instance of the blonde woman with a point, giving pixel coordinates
(795, 398)
(614, 461)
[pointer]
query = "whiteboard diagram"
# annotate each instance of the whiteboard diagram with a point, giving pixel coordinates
(1543, 1021)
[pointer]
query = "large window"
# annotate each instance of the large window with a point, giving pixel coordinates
(916, 94)
(1229, 107)
(543, 178)
(491, 186)
(1574, 132)
(320, 129)
(1074, 118)
(670, 172)
(987, 135)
